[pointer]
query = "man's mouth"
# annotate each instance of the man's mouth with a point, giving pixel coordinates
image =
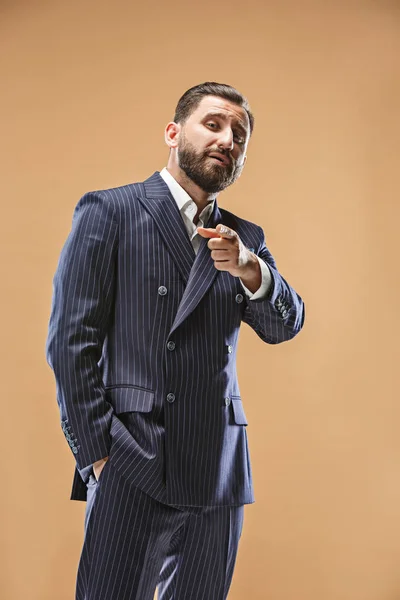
(221, 158)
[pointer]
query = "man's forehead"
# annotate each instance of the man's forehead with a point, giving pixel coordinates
(215, 104)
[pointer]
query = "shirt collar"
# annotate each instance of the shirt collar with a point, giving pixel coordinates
(182, 198)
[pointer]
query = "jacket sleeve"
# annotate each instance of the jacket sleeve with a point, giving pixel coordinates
(83, 291)
(280, 315)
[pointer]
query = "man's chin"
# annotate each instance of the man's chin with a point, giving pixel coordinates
(209, 182)
(216, 184)
(215, 188)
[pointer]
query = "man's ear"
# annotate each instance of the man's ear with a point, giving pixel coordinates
(172, 132)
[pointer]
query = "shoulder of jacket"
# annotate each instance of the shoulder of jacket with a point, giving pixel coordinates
(115, 198)
(123, 191)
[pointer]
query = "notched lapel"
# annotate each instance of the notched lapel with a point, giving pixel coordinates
(201, 276)
(160, 204)
(198, 271)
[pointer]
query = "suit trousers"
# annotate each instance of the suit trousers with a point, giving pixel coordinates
(134, 545)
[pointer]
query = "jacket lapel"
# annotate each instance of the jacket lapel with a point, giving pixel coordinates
(201, 276)
(198, 271)
(162, 207)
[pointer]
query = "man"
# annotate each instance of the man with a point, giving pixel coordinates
(152, 285)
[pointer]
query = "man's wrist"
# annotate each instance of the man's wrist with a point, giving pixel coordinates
(252, 277)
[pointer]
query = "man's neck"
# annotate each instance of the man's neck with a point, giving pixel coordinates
(199, 196)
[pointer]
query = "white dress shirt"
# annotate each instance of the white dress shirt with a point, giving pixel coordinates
(188, 209)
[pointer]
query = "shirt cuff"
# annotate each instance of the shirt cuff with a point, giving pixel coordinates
(266, 280)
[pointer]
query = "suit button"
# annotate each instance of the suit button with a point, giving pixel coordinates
(227, 401)
(162, 290)
(171, 345)
(239, 298)
(230, 349)
(171, 397)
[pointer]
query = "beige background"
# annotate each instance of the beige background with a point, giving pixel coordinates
(86, 90)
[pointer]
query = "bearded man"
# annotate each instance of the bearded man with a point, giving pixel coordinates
(152, 285)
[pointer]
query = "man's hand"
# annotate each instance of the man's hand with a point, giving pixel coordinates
(98, 467)
(230, 254)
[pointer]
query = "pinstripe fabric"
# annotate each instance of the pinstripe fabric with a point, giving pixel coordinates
(132, 543)
(170, 416)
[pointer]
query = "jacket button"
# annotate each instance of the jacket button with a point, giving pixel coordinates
(230, 349)
(162, 290)
(171, 397)
(171, 345)
(239, 298)
(227, 401)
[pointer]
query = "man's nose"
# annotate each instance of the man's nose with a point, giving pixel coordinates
(225, 140)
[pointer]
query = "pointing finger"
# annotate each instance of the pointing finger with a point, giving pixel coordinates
(208, 232)
(219, 231)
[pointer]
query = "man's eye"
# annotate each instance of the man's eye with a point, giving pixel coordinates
(211, 124)
(238, 139)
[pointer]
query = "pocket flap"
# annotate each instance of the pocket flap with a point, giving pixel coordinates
(238, 411)
(130, 399)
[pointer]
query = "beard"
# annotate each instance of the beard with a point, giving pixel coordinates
(210, 176)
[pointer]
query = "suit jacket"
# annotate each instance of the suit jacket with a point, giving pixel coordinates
(142, 340)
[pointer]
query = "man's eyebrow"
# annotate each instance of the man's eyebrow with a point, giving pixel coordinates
(222, 115)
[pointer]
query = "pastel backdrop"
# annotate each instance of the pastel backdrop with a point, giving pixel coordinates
(87, 88)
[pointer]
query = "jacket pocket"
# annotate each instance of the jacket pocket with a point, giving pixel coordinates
(128, 398)
(238, 411)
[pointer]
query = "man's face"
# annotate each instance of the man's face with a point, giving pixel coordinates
(212, 144)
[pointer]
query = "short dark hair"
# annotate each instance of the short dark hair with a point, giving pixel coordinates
(193, 96)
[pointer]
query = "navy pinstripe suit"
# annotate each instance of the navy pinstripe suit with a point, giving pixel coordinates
(142, 340)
